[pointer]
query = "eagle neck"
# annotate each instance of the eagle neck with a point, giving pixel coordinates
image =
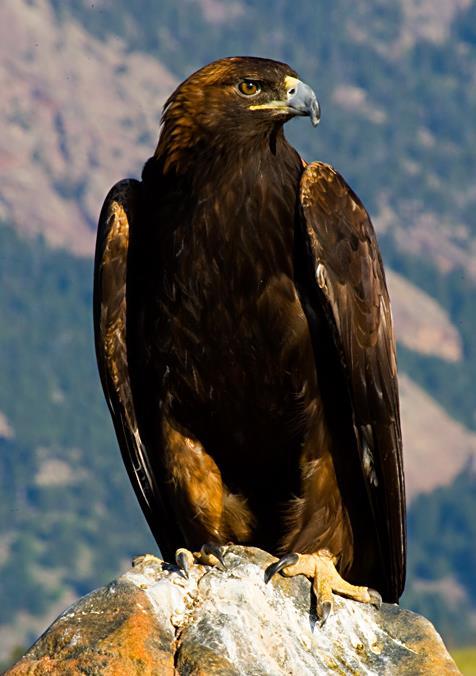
(204, 160)
(243, 193)
(239, 206)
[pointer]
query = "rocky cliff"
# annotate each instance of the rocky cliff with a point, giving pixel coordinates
(152, 620)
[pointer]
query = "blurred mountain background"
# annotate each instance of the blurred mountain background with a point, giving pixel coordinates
(82, 88)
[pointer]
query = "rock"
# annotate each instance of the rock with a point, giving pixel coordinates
(152, 620)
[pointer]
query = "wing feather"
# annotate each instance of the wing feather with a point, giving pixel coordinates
(120, 211)
(349, 272)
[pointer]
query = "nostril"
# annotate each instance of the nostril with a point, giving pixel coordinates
(292, 91)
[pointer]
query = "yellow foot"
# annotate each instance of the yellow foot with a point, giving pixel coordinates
(320, 568)
(209, 555)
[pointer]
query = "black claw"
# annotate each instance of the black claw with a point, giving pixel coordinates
(216, 551)
(375, 598)
(183, 563)
(324, 612)
(283, 562)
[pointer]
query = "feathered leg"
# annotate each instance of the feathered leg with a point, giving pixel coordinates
(205, 509)
(318, 525)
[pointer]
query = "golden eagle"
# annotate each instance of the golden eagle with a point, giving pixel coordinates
(245, 343)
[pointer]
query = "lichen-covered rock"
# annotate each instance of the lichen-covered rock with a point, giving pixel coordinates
(152, 620)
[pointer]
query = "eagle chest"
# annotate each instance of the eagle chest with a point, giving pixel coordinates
(229, 314)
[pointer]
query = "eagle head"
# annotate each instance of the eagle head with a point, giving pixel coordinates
(233, 99)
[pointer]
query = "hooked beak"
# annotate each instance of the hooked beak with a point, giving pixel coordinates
(300, 100)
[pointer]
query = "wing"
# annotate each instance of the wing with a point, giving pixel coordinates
(341, 246)
(120, 211)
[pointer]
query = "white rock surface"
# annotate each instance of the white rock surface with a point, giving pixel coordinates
(153, 620)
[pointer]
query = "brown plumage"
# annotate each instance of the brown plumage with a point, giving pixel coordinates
(244, 336)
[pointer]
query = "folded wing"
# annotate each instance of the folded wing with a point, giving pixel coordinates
(346, 263)
(120, 212)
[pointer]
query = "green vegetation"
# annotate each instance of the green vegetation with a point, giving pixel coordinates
(465, 658)
(442, 558)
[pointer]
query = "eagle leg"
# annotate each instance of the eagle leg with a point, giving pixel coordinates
(320, 568)
(209, 555)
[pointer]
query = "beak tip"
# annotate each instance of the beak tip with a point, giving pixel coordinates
(315, 112)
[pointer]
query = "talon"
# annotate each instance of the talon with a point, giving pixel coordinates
(324, 611)
(375, 598)
(284, 562)
(320, 567)
(216, 551)
(182, 559)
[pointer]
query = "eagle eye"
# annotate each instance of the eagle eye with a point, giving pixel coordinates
(249, 88)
